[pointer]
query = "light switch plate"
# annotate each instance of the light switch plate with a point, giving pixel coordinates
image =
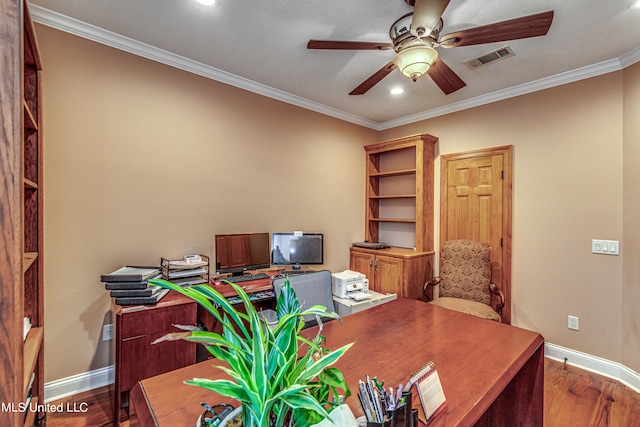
(606, 247)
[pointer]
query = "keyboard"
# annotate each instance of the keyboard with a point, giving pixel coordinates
(258, 296)
(246, 277)
(294, 272)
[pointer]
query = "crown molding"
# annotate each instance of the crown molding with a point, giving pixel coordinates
(534, 86)
(73, 26)
(78, 28)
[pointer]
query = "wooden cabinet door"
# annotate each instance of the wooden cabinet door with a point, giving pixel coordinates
(388, 276)
(363, 263)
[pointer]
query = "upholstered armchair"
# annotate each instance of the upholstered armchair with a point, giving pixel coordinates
(465, 280)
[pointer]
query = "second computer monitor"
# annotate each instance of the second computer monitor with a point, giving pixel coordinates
(297, 249)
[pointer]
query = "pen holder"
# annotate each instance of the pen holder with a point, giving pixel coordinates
(402, 414)
(389, 422)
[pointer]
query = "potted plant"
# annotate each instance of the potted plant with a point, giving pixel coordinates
(279, 377)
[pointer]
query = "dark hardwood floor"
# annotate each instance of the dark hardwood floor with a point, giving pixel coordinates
(572, 397)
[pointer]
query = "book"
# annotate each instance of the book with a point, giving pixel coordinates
(130, 274)
(26, 327)
(430, 390)
(156, 295)
(146, 292)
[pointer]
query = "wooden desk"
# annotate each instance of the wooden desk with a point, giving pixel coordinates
(136, 328)
(492, 373)
(250, 287)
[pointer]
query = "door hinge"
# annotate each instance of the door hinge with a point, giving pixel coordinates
(502, 175)
(501, 244)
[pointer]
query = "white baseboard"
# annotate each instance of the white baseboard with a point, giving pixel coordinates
(597, 365)
(65, 387)
(79, 383)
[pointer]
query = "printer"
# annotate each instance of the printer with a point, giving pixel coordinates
(351, 285)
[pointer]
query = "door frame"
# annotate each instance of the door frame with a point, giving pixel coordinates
(506, 152)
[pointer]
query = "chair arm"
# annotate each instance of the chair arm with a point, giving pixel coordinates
(428, 293)
(496, 291)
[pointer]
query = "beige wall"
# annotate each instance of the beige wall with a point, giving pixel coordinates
(140, 160)
(568, 146)
(631, 220)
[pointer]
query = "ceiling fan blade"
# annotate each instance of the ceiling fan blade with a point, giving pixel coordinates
(519, 28)
(446, 79)
(374, 79)
(426, 15)
(341, 45)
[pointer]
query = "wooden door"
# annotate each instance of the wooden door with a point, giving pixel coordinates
(388, 275)
(476, 204)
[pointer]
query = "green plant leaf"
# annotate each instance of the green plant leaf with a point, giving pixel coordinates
(270, 371)
(287, 301)
(223, 387)
(328, 359)
(298, 398)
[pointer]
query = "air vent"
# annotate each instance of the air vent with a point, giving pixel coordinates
(488, 58)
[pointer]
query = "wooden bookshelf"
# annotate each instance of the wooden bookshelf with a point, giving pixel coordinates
(21, 216)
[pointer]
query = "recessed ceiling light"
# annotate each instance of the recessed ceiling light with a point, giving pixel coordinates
(207, 2)
(396, 91)
(635, 4)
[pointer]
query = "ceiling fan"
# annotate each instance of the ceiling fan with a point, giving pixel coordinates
(415, 36)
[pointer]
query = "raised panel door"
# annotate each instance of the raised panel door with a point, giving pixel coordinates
(363, 263)
(476, 205)
(388, 277)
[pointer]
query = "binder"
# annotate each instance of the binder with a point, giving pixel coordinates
(117, 293)
(153, 299)
(130, 274)
(126, 285)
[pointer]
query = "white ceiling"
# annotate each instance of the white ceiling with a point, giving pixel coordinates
(260, 45)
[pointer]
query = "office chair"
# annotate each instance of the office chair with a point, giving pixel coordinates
(311, 289)
(465, 280)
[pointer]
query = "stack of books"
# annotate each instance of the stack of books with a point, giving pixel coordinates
(128, 285)
(189, 271)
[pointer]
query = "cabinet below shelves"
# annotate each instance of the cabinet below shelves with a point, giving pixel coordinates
(401, 271)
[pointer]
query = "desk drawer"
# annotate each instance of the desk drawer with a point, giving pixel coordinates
(157, 320)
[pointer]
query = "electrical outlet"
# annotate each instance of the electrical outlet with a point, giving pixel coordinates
(574, 323)
(107, 332)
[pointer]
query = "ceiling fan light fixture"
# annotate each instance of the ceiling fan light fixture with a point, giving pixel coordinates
(414, 61)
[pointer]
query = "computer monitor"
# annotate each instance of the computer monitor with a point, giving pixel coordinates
(236, 253)
(297, 249)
